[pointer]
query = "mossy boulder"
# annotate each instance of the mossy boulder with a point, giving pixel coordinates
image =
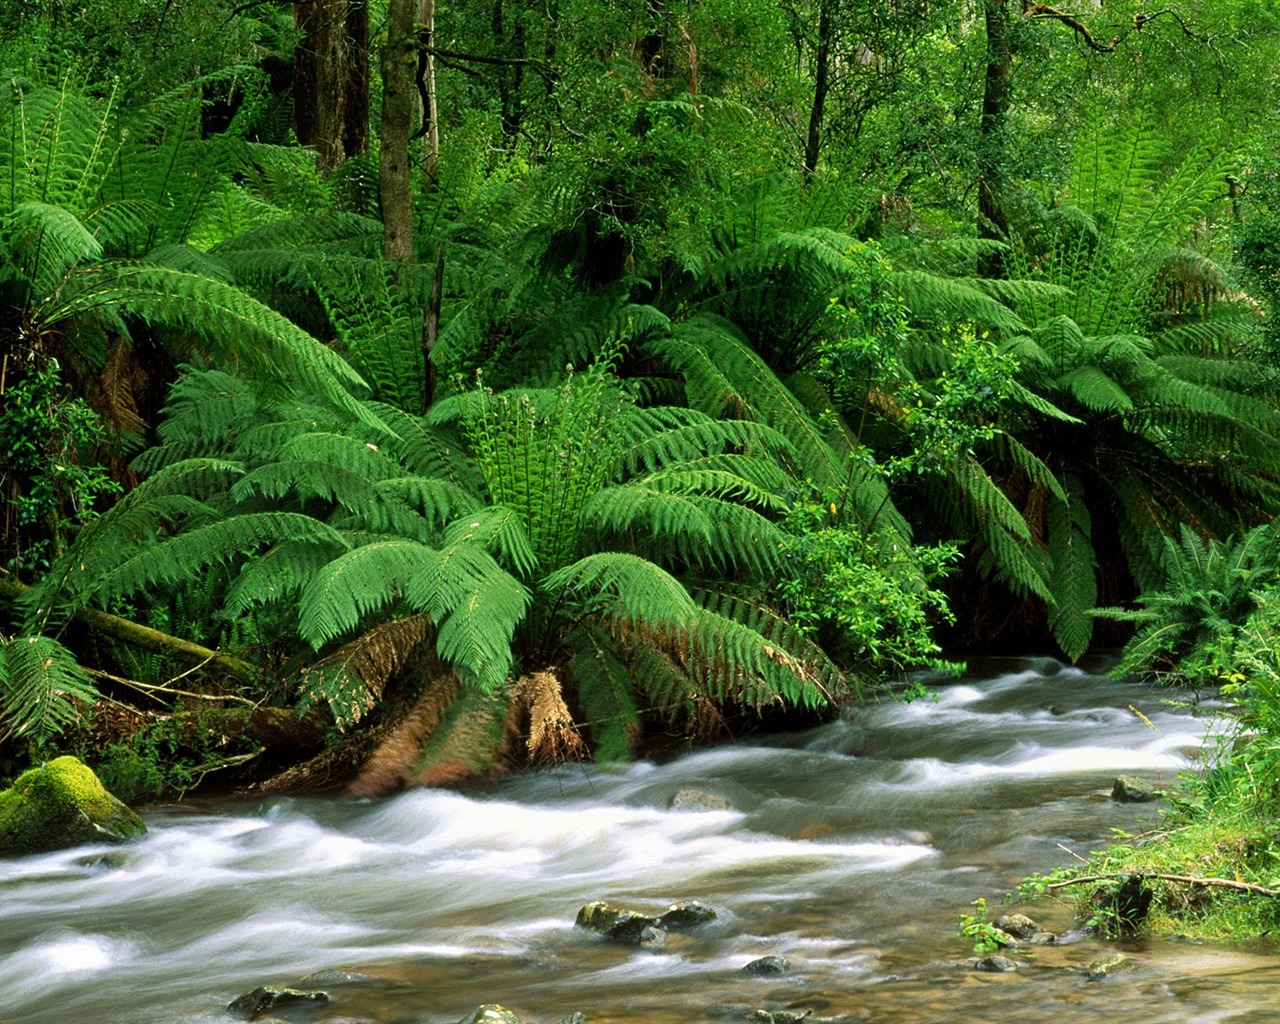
(61, 804)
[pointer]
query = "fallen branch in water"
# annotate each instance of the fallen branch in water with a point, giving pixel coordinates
(1210, 883)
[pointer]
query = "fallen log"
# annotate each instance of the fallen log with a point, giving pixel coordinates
(145, 637)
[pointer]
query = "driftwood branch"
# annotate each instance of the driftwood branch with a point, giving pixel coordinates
(1208, 883)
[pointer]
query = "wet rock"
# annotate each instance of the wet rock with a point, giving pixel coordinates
(614, 922)
(768, 965)
(997, 964)
(1106, 966)
(262, 999)
(335, 976)
(574, 1018)
(1025, 930)
(624, 925)
(686, 914)
(698, 800)
(62, 804)
(653, 937)
(491, 1013)
(778, 1016)
(1129, 789)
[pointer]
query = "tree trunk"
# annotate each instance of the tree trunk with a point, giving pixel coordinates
(821, 84)
(399, 99)
(427, 89)
(331, 79)
(992, 223)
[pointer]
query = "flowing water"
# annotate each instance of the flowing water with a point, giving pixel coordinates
(849, 849)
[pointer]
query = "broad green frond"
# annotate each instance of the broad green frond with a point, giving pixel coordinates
(625, 588)
(240, 328)
(475, 637)
(278, 573)
(47, 243)
(42, 688)
(184, 557)
(356, 583)
(1073, 581)
(499, 530)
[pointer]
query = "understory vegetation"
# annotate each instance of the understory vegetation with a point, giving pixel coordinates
(394, 394)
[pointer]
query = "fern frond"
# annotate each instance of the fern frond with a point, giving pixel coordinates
(351, 679)
(359, 581)
(1073, 583)
(43, 688)
(625, 588)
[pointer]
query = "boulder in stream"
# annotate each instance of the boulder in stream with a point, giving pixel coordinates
(624, 925)
(1025, 930)
(261, 999)
(1106, 966)
(60, 804)
(996, 964)
(768, 965)
(1129, 789)
(697, 800)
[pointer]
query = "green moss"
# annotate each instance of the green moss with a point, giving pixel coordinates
(61, 804)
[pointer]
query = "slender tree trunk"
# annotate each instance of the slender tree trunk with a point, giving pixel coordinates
(992, 223)
(821, 85)
(399, 99)
(427, 89)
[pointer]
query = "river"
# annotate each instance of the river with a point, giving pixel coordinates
(849, 849)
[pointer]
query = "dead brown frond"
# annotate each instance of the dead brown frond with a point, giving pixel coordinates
(552, 738)
(1035, 513)
(394, 757)
(357, 672)
(470, 742)
(118, 383)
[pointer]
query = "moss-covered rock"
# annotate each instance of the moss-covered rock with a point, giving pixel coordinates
(61, 804)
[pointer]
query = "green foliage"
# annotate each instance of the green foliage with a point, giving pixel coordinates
(49, 445)
(1189, 628)
(43, 690)
(838, 587)
(977, 927)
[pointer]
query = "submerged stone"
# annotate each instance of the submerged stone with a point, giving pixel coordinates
(697, 800)
(997, 964)
(624, 925)
(1105, 967)
(779, 1016)
(262, 999)
(62, 804)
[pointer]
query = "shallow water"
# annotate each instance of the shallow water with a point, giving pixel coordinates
(850, 849)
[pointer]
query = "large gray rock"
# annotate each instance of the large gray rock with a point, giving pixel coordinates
(61, 804)
(768, 965)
